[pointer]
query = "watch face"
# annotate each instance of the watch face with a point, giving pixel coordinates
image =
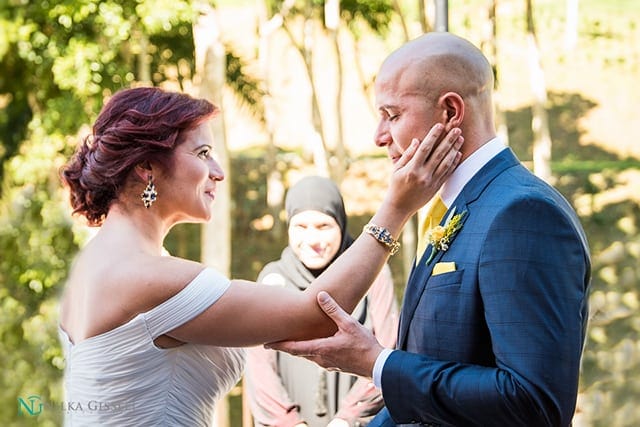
(383, 236)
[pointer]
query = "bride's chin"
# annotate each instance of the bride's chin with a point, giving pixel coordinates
(202, 217)
(207, 216)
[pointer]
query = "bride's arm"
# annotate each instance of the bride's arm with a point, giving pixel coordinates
(249, 315)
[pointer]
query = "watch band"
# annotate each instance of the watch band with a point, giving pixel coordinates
(383, 236)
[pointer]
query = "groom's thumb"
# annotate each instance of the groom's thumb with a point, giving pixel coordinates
(324, 298)
(329, 306)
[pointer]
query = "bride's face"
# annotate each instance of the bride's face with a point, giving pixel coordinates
(189, 187)
(314, 238)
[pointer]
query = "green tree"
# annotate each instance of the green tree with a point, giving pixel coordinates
(58, 61)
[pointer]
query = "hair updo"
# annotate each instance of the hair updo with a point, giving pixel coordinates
(135, 126)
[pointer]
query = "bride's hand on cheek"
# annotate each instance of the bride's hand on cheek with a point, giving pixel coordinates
(423, 168)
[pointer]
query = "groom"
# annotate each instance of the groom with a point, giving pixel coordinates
(495, 311)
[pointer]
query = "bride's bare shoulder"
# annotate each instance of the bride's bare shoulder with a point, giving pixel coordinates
(156, 278)
(125, 284)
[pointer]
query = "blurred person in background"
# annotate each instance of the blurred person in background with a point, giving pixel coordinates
(287, 391)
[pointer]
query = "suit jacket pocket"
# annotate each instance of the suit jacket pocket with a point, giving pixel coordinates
(452, 278)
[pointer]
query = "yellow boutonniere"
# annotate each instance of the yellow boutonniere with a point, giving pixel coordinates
(440, 236)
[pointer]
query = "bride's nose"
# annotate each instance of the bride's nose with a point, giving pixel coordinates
(215, 171)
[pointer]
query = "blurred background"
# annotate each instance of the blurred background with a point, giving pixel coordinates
(294, 80)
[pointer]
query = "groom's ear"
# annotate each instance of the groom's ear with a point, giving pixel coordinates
(452, 106)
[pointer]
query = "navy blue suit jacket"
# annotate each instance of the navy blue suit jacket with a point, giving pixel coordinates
(498, 341)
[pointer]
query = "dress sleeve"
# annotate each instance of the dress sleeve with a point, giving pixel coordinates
(205, 289)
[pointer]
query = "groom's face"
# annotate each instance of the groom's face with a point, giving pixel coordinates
(405, 110)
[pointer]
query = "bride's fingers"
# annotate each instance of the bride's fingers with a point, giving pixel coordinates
(449, 161)
(432, 150)
(434, 155)
(408, 154)
(429, 142)
(431, 160)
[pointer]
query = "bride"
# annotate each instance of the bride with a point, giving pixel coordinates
(152, 339)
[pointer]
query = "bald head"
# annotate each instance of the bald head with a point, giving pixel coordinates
(441, 68)
(442, 62)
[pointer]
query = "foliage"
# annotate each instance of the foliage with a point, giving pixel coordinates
(36, 241)
(58, 61)
(611, 367)
(245, 86)
(377, 14)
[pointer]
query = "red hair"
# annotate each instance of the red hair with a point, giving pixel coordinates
(136, 126)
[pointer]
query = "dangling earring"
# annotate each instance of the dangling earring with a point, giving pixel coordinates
(149, 194)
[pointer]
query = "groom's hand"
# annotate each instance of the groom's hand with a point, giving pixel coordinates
(353, 348)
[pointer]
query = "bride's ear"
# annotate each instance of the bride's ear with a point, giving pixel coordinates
(143, 171)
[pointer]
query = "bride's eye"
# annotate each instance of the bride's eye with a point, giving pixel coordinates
(205, 154)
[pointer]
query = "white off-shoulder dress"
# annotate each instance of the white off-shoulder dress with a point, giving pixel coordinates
(120, 378)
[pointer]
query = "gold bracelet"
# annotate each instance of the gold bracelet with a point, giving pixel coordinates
(383, 236)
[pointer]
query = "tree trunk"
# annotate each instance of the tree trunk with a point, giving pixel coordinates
(317, 139)
(275, 185)
(423, 16)
(442, 15)
(209, 82)
(571, 26)
(490, 48)
(403, 22)
(539, 120)
(332, 23)
(144, 60)
(365, 84)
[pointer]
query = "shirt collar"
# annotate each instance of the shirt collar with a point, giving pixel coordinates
(467, 169)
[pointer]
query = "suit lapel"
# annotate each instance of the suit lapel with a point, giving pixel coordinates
(421, 272)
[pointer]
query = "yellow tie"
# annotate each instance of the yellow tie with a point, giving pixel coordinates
(434, 215)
